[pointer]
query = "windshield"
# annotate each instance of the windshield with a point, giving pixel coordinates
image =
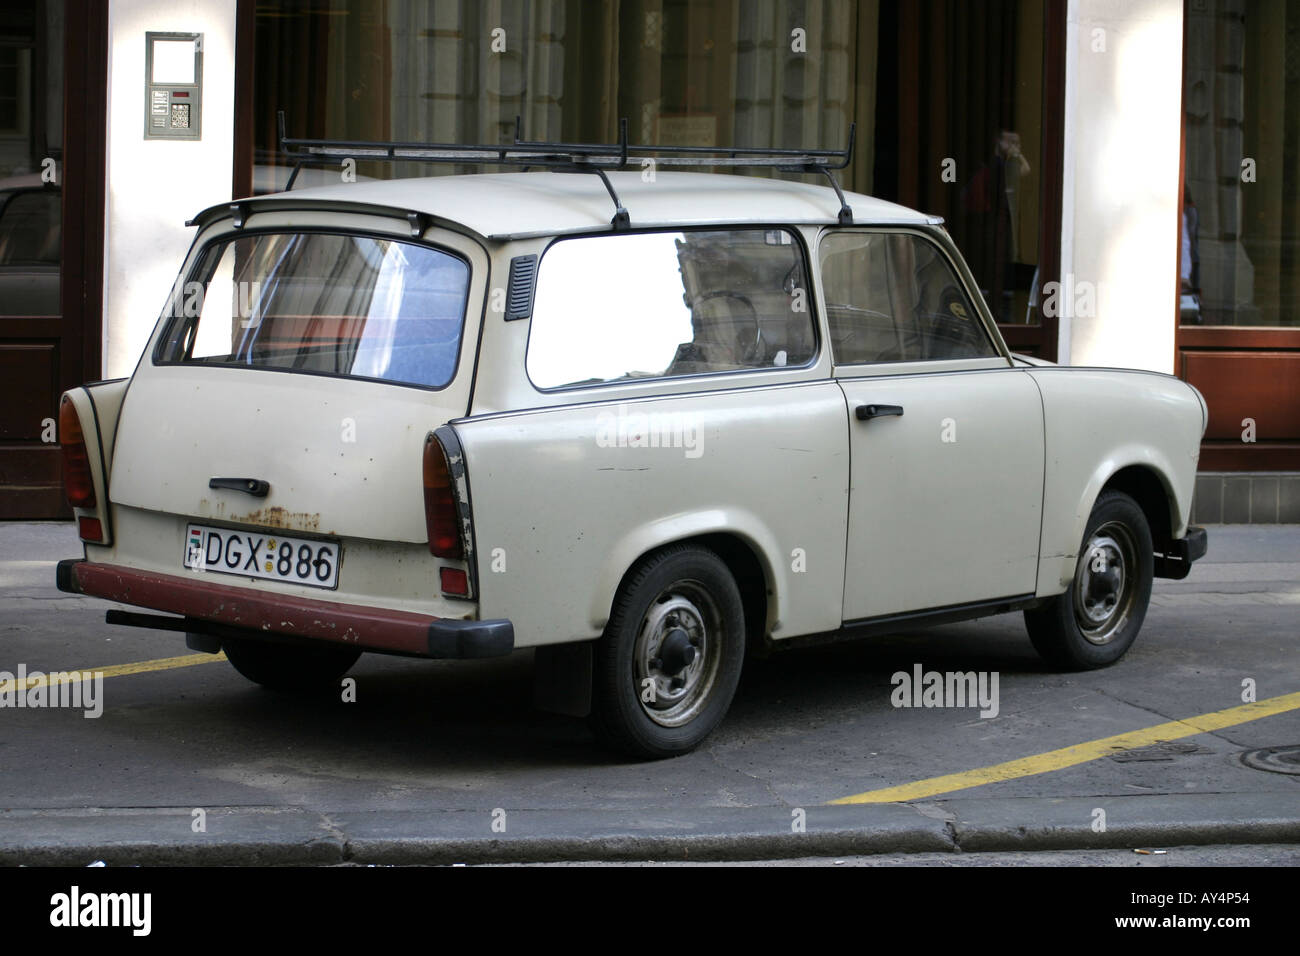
(347, 305)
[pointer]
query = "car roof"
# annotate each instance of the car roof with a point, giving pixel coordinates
(520, 205)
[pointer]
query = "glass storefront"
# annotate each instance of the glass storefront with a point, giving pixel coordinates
(1238, 334)
(1240, 256)
(947, 94)
(31, 151)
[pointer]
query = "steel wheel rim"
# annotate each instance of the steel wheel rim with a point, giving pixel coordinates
(684, 611)
(1104, 583)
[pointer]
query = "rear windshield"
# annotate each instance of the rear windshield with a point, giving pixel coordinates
(347, 305)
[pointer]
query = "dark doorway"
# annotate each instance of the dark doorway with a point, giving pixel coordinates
(973, 133)
(53, 69)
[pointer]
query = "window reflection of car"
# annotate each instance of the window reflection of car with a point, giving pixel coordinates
(271, 178)
(29, 246)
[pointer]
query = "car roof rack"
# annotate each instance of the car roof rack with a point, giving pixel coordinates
(593, 158)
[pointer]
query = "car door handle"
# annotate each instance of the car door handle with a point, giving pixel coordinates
(865, 412)
(252, 486)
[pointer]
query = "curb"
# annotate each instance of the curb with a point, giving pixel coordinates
(277, 836)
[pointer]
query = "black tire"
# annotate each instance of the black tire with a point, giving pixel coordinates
(291, 667)
(679, 623)
(1094, 623)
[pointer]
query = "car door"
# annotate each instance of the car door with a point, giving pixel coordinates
(945, 435)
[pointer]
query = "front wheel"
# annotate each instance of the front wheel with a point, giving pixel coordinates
(1094, 623)
(669, 662)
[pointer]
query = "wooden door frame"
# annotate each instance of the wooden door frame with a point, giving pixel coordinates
(244, 118)
(85, 185)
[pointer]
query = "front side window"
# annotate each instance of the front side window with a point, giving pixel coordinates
(893, 297)
(344, 305)
(651, 305)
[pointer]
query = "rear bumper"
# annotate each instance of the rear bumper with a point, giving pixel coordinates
(369, 628)
(1177, 560)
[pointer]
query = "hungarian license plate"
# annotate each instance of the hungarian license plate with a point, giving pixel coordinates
(258, 554)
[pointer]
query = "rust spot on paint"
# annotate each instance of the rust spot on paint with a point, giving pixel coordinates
(278, 517)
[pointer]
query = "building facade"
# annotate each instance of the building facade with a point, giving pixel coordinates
(1119, 173)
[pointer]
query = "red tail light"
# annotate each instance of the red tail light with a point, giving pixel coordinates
(78, 483)
(440, 517)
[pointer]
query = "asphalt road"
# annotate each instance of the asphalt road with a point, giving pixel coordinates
(442, 762)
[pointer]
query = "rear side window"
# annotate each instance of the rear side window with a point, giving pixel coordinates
(893, 297)
(650, 305)
(344, 305)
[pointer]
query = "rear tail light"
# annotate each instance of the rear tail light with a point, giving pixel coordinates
(440, 516)
(78, 482)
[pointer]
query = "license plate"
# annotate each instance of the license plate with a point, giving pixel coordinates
(258, 554)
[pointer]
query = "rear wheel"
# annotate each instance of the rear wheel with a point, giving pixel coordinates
(1095, 622)
(289, 666)
(668, 665)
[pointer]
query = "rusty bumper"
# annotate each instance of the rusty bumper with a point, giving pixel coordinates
(369, 628)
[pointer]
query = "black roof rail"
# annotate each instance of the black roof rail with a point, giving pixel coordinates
(594, 158)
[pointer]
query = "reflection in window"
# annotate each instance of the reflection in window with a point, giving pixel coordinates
(1240, 258)
(660, 304)
(29, 228)
(892, 297)
(342, 305)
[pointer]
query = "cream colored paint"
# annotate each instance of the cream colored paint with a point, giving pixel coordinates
(567, 516)
(1099, 421)
(1119, 229)
(946, 499)
(154, 186)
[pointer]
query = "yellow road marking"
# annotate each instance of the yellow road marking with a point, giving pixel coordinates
(1078, 753)
(116, 670)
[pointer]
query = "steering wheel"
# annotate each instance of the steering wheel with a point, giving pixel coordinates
(848, 336)
(753, 352)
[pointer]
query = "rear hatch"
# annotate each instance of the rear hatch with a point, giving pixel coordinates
(299, 371)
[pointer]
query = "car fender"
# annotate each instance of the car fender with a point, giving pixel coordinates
(738, 523)
(1098, 422)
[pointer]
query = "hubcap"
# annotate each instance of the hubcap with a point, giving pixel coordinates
(677, 654)
(1103, 583)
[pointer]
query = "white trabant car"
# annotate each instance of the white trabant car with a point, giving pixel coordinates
(454, 417)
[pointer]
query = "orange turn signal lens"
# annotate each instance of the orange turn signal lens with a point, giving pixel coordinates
(440, 504)
(78, 483)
